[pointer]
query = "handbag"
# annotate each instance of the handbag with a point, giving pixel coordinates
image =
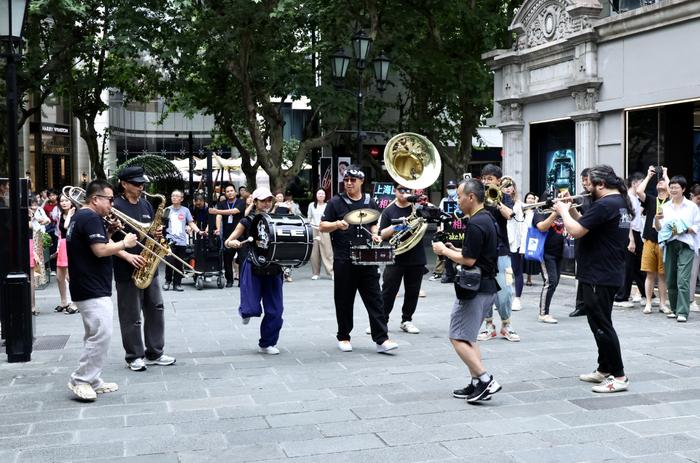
(469, 279)
(534, 244)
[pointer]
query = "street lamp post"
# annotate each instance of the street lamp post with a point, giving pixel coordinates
(16, 290)
(361, 45)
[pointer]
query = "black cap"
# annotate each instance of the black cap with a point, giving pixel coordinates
(132, 174)
(451, 184)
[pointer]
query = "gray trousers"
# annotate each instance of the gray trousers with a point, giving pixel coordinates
(131, 302)
(97, 315)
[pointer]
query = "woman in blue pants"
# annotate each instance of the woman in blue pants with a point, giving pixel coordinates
(259, 285)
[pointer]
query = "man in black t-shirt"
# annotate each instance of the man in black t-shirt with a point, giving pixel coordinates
(228, 214)
(348, 278)
(90, 252)
(408, 266)
(652, 255)
(147, 348)
(472, 306)
(501, 213)
(604, 234)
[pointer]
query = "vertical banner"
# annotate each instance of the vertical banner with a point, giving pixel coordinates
(343, 163)
(454, 229)
(325, 181)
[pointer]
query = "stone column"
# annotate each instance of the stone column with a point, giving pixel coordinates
(511, 127)
(586, 119)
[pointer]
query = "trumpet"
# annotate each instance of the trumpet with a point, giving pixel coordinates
(546, 206)
(76, 195)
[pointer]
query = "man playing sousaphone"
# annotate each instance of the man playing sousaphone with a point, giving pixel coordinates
(131, 300)
(348, 278)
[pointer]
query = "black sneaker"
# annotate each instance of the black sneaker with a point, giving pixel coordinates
(464, 393)
(229, 284)
(484, 390)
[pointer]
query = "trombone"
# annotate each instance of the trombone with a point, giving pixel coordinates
(546, 206)
(76, 195)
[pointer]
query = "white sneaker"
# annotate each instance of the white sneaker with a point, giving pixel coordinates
(163, 360)
(665, 309)
(368, 330)
(547, 319)
(386, 346)
(655, 301)
(489, 332)
(670, 315)
(694, 307)
(681, 319)
(509, 333)
(269, 350)
(422, 293)
(647, 309)
(83, 391)
(137, 365)
(612, 384)
(107, 387)
(315, 277)
(409, 327)
(637, 299)
(516, 304)
(595, 377)
(624, 304)
(345, 346)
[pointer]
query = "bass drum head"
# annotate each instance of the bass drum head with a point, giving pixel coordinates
(285, 240)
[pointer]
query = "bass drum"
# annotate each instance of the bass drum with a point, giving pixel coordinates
(285, 240)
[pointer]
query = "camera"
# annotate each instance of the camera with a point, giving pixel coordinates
(659, 172)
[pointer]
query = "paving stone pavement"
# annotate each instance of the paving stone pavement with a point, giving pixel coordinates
(223, 401)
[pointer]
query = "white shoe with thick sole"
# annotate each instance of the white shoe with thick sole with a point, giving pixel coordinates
(344, 346)
(386, 346)
(269, 350)
(409, 327)
(595, 377)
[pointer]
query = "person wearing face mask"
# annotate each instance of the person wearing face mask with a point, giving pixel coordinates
(449, 205)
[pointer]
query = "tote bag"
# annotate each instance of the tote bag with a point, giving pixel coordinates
(534, 244)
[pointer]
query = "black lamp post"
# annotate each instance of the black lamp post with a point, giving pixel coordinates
(362, 46)
(16, 290)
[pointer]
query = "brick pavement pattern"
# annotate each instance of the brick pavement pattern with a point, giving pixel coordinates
(223, 401)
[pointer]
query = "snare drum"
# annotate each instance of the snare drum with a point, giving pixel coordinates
(286, 240)
(372, 255)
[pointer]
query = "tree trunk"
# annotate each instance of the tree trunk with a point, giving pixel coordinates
(89, 134)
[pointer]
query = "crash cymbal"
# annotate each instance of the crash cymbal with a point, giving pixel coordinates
(361, 216)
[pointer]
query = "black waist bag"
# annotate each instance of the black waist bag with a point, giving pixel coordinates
(469, 279)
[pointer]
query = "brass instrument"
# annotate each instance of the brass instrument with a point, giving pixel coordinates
(546, 206)
(493, 195)
(414, 162)
(154, 249)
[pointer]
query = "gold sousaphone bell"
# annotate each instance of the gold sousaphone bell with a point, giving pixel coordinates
(414, 162)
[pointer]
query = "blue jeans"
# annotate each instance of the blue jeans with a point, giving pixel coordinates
(504, 302)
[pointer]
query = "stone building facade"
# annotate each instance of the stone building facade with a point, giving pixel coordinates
(587, 82)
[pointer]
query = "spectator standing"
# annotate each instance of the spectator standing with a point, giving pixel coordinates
(178, 219)
(228, 213)
(514, 240)
(633, 257)
(652, 255)
(530, 267)
(694, 197)
(552, 262)
(678, 223)
(322, 249)
(49, 205)
(66, 211)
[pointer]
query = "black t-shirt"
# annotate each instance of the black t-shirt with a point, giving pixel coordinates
(601, 251)
(142, 211)
(91, 276)
(343, 239)
(649, 207)
(480, 243)
(554, 244)
(415, 255)
(201, 217)
(229, 222)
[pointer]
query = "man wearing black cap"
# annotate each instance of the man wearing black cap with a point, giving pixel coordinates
(131, 301)
(349, 278)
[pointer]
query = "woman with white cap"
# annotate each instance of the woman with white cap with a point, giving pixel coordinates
(259, 284)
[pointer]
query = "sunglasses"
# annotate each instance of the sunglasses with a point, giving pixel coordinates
(403, 190)
(135, 183)
(108, 198)
(350, 179)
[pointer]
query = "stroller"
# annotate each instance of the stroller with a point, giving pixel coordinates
(208, 260)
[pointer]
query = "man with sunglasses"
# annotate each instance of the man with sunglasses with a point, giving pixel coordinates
(132, 301)
(409, 266)
(90, 252)
(348, 278)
